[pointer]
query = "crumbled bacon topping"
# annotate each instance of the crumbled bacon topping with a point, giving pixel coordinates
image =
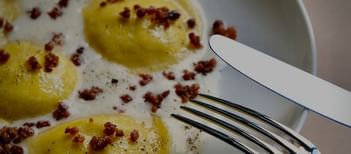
(132, 88)
(42, 124)
(33, 64)
(75, 58)
(51, 61)
(57, 39)
(29, 124)
(205, 66)
(100, 143)
(186, 92)
(134, 135)
(145, 79)
(72, 131)
(63, 3)
(49, 46)
(125, 14)
(169, 75)
(195, 41)
(102, 4)
(79, 139)
(119, 133)
(219, 28)
(155, 100)
(8, 28)
(9, 136)
(4, 56)
(61, 112)
(55, 13)
(126, 98)
(187, 75)
(90, 94)
(191, 23)
(110, 128)
(11, 149)
(34, 13)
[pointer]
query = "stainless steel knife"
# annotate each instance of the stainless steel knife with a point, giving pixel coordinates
(290, 82)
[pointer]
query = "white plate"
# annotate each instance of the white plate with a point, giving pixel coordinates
(279, 28)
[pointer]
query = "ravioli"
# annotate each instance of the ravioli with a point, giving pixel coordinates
(25, 93)
(137, 43)
(151, 140)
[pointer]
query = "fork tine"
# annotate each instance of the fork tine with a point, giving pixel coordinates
(304, 143)
(215, 133)
(230, 127)
(245, 122)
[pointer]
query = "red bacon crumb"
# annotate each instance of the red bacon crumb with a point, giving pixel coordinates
(125, 14)
(102, 4)
(51, 61)
(187, 75)
(55, 13)
(90, 94)
(71, 131)
(8, 28)
(119, 133)
(99, 143)
(195, 41)
(173, 15)
(186, 92)
(1, 22)
(141, 12)
(219, 28)
(57, 38)
(80, 50)
(63, 3)
(126, 98)
(11, 149)
(29, 124)
(145, 79)
(79, 139)
(4, 56)
(205, 67)
(23, 133)
(132, 88)
(61, 112)
(75, 58)
(155, 100)
(33, 64)
(169, 75)
(191, 23)
(49, 46)
(134, 135)
(35, 13)
(42, 124)
(110, 128)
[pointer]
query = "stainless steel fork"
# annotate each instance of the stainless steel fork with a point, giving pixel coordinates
(255, 132)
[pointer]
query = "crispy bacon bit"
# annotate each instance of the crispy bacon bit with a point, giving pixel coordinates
(126, 98)
(219, 28)
(8, 28)
(110, 128)
(141, 12)
(51, 61)
(4, 56)
(63, 3)
(80, 50)
(145, 79)
(99, 143)
(90, 94)
(187, 75)
(33, 64)
(195, 41)
(187, 93)
(125, 14)
(10, 149)
(75, 58)
(173, 15)
(102, 4)
(155, 100)
(41, 124)
(134, 135)
(119, 133)
(205, 67)
(35, 13)
(1, 22)
(79, 139)
(49, 46)
(29, 124)
(191, 23)
(132, 88)
(71, 131)
(57, 38)
(169, 75)
(55, 12)
(61, 112)
(23, 133)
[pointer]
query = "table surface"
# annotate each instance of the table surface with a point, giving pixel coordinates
(331, 21)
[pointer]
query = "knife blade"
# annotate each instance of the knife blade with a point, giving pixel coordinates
(286, 80)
